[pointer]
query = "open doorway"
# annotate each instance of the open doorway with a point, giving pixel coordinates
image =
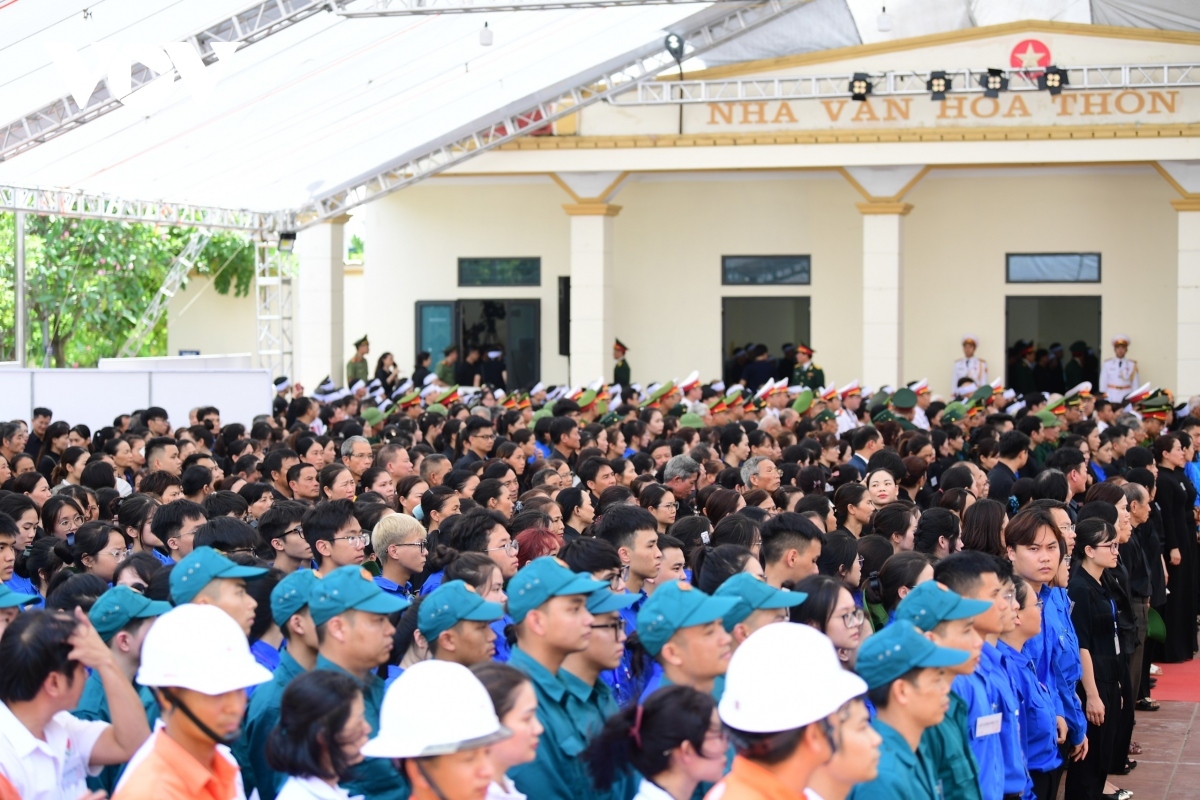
(773, 321)
(1048, 321)
(511, 327)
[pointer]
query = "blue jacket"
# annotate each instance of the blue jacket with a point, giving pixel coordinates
(1039, 726)
(1016, 774)
(983, 699)
(1055, 654)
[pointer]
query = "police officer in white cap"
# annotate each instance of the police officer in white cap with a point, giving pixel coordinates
(437, 723)
(784, 730)
(970, 365)
(1118, 375)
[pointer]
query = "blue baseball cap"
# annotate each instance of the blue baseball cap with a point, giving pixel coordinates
(201, 567)
(345, 589)
(542, 579)
(674, 606)
(928, 604)
(11, 599)
(120, 606)
(450, 604)
(290, 595)
(898, 649)
(753, 595)
(603, 601)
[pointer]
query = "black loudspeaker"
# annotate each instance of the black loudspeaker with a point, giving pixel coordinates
(564, 316)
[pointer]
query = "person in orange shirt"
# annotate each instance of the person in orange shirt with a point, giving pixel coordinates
(782, 738)
(198, 662)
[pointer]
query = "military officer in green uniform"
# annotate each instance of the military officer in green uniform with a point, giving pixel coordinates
(357, 368)
(1076, 371)
(621, 373)
(1021, 380)
(806, 372)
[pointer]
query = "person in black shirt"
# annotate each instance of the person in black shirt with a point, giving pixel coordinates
(1094, 616)
(1014, 452)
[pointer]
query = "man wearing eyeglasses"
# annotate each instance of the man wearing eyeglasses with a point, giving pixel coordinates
(280, 526)
(336, 538)
(478, 438)
(357, 456)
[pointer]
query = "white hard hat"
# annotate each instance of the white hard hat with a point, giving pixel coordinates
(761, 691)
(198, 647)
(433, 709)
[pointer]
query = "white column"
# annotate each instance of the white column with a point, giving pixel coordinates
(591, 290)
(883, 270)
(320, 305)
(1187, 298)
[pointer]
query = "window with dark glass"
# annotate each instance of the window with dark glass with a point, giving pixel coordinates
(1053, 268)
(499, 272)
(766, 270)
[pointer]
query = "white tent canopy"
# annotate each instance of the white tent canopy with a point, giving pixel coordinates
(311, 107)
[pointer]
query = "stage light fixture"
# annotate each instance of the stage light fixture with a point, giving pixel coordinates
(994, 82)
(860, 86)
(287, 241)
(938, 84)
(1053, 80)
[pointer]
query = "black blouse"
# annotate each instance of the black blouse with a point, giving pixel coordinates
(1094, 615)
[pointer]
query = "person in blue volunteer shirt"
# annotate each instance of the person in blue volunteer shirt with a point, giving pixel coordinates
(399, 542)
(289, 609)
(456, 623)
(205, 577)
(759, 604)
(351, 617)
(1039, 722)
(600, 559)
(976, 576)
(1017, 782)
(948, 620)
(588, 699)
(548, 604)
(633, 531)
(909, 685)
(680, 628)
(1055, 653)
(121, 616)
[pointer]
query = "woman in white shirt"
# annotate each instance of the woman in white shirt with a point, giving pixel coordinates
(320, 735)
(516, 706)
(674, 740)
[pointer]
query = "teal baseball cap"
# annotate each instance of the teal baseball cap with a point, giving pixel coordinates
(542, 579)
(896, 650)
(345, 589)
(11, 599)
(928, 604)
(753, 595)
(674, 606)
(450, 604)
(201, 567)
(120, 606)
(291, 594)
(604, 601)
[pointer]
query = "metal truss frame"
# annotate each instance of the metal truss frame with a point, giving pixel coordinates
(72, 203)
(407, 8)
(176, 276)
(252, 24)
(605, 81)
(903, 83)
(273, 288)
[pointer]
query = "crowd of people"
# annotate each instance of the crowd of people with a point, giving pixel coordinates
(410, 589)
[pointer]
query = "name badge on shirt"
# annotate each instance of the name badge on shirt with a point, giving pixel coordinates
(988, 725)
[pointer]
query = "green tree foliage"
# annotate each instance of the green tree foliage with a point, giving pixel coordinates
(89, 281)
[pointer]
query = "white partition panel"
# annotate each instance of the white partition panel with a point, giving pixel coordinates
(95, 397)
(16, 393)
(240, 395)
(179, 363)
(89, 396)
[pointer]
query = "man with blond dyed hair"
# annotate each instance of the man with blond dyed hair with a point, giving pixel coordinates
(399, 542)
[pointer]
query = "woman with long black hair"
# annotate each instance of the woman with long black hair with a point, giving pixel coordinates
(1176, 497)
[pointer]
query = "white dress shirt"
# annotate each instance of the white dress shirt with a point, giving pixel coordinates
(310, 789)
(55, 768)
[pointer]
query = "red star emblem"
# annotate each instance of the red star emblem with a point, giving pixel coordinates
(1028, 55)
